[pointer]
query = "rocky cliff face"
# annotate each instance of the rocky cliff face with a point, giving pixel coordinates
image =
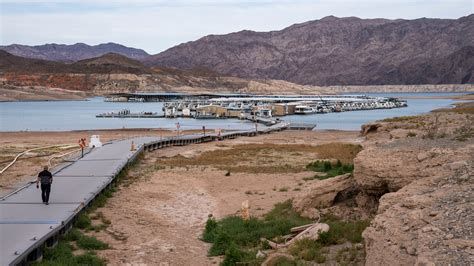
(72, 53)
(339, 51)
(422, 167)
(415, 175)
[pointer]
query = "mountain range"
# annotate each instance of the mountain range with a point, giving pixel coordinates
(329, 51)
(72, 53)
(32, 79)
(339, 51)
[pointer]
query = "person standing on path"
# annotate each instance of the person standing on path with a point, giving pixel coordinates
(45, 178)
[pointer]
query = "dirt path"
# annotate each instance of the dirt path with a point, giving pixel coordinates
(159, 218)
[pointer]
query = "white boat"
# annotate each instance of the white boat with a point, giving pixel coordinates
(304, 110)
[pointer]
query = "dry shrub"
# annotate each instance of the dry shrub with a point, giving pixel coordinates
(460, 108)
(266, 158)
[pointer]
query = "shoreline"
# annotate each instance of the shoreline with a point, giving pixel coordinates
(48, 100)
(146, 130)
(453, 97)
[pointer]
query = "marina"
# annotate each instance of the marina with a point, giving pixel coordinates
(276, 105)
(81, 115)
(248, 106)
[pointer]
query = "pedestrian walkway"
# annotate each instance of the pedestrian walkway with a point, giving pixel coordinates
(26, 225)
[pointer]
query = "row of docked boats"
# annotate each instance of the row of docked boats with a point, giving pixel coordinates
(263, 106)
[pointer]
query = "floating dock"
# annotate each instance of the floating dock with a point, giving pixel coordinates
(27, 226)
(125, 113)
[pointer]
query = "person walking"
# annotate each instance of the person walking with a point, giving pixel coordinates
(46, 179)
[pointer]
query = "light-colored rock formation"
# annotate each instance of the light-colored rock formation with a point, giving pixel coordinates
(425, 214)
(428, 222)
(322, 194)
(417, 174)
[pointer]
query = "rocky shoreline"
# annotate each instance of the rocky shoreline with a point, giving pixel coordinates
(31, 88)
(415, 178)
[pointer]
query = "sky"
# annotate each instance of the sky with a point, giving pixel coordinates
(156, 25)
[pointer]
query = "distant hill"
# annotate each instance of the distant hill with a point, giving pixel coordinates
(13, 63)
(108, 63)
(72, 53)
(338, 51)
(111, 73)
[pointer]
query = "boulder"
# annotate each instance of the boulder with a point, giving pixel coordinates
(322, 194)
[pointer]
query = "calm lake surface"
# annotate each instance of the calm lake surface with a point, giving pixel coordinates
(80, 115)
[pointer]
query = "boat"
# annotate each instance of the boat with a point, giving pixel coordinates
(304, 110)
(125, 113)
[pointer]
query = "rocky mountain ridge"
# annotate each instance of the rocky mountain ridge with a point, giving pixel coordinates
(339, 51)
(112, 73)
(72, 53)
(21, 77)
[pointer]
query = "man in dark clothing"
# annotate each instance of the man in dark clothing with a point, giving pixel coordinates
(45, 178)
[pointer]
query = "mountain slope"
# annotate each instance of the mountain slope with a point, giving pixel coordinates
(71, 53)
(334, 51)
(106, 64)
(112, 73)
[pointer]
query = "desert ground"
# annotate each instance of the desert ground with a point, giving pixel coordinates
(160, 216)
(159, 213)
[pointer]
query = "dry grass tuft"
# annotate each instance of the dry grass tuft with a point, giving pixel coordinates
(266, 158)
(460, 108)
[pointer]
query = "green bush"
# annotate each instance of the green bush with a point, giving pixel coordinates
(331, 170)
(62, 255)
(307, 249)
(89, 259)
(237, 239)
(210, 230)
(234, 255)
(83, 221)
(73, 235)
(91, 243)
(341, 231)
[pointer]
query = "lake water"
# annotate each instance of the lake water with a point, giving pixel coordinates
(80, 115)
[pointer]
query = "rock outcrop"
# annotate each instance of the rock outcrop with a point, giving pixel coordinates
(428, 222)
(323, 194)
(425, 180)
(416, 176)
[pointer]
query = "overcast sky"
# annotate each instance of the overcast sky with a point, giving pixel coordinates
(160, 24)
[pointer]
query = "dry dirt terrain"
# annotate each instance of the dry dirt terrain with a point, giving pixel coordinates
(159, 216)
(12, 93)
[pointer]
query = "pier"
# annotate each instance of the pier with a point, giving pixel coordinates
(125, 113)
(27, 226)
